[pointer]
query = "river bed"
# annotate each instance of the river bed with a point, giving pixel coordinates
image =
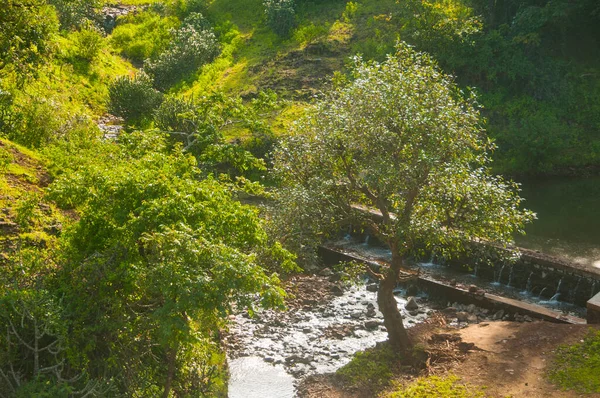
(272, 351)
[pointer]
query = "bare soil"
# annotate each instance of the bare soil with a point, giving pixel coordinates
(509, 358)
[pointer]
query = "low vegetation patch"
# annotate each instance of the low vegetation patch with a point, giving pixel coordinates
(372, 369)
(576, 367)
(435, 386)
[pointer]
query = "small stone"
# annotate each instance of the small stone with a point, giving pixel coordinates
(373, 287)
(498, 315)
(411, 304)
(371, 325)
(471, 308)
(337, 290)
(527, 318)
(472, 319)
(462, 316)
(306, 330)
(269, 359)
(326, 272)
(473, 289)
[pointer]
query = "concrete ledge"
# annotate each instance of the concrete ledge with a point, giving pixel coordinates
(453, 293)
(593, 310)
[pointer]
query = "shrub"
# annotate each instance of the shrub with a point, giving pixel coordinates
(280, 15)
(88, 43)
(75, 13)
(194, 44)
(144, 35)
(133, 98)
(5, 159)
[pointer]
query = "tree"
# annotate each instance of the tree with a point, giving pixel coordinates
(26, 30)
(151, 269)
(400, 139)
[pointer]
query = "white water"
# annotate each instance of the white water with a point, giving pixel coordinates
(252, 377)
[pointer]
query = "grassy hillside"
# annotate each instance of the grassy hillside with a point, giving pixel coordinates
(535, 66)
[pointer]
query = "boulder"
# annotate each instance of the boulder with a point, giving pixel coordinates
(411, 304)
(373, 287)
(462, 316)
(337, 290)
(372, 325)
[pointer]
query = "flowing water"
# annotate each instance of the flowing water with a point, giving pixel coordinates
(272, 351)
(444, 273)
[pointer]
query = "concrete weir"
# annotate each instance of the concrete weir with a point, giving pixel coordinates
(593, 309)
(451, 293)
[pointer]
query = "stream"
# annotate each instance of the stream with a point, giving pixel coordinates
(272, 351)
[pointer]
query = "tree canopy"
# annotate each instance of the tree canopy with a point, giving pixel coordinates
(401, 139)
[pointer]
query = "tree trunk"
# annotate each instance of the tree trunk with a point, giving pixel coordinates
(388, 306)
(171, 358)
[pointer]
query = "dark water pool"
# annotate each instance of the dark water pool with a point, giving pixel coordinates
(568, 222)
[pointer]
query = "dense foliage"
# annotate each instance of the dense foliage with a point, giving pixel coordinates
(280, 15)
(26, 30)
(142, 280)
(194, 44)
(400, 139)
(144, 35)
(133, 98)
(121, 257)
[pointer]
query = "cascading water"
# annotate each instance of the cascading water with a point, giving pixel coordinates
(499, 280)
(542, 292)
(557, 292)
(574, 292)
(510, 276)
(528, 286)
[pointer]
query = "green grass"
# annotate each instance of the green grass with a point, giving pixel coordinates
(577, 367)
(371, 370)
(434, 386)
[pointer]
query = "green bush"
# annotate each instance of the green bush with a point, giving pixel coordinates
(88, 43)
(75, 13)
(38, 121)
(5, 159)
(194, 44)
(133, 98)
(144, 35)
(281, 15)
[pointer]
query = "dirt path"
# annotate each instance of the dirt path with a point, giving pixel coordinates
(509, 358)
(515, 356)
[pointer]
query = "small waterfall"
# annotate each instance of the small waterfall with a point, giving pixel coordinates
(574, 292)
(542, 292)
(367, 239)
(500, 274)
(510, 276)
(593, 293)
(475, 271)
(557, 293)
(529, 286)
